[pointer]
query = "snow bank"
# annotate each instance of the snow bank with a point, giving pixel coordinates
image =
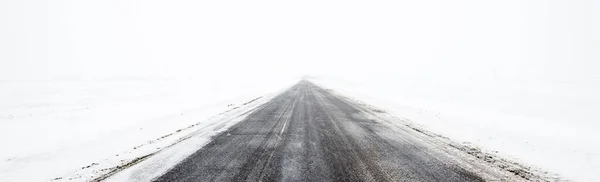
(52, 129)
(550, 125)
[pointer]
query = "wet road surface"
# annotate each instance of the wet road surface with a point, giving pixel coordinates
(309, 134)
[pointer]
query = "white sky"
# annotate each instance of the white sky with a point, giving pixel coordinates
(556, 40)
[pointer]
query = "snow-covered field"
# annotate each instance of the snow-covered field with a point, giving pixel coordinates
(80, 129)
(548, 125)
(61, 129)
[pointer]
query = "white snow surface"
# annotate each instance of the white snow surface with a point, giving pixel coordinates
(551, 126)
(78, 130)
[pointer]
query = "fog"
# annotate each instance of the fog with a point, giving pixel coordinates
(519, 78)
(456, 41)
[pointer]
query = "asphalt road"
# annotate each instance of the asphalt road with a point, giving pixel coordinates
(309, 134)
